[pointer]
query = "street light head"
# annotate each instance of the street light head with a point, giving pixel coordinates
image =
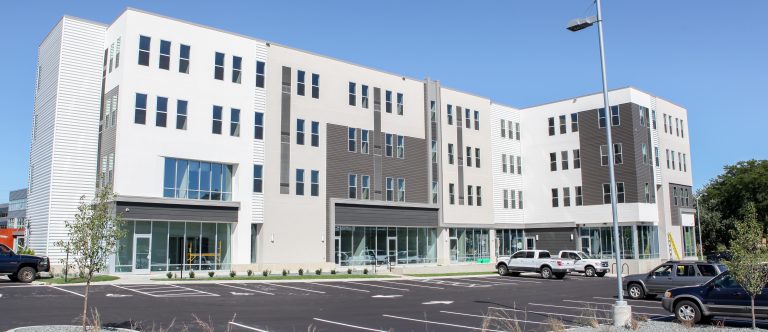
(581, 23)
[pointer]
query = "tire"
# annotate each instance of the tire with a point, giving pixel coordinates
(688, 312)
(559, 275)
(502, 270)
(546, 273)
(600, 274)
(636, 291)
(26, 274)
(589, 271)
(13, 278)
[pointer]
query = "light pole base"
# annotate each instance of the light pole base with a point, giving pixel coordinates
(622, 314)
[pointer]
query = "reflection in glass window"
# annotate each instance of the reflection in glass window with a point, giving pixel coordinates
(189, 179)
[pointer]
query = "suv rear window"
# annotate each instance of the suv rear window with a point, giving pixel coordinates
(544, 254)
(686, 271)
(707, 270)
(530, 254)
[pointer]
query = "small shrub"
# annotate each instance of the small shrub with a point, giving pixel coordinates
(265, 273)
(555, 325)
(175, 276)
(210, 274)
(349, 271)
(319, 271)
(365, 270)
(169, 275)
(232, 274)
(301, 272)
(249, 272)
(191, 274)
(285, 272)
(333, 271)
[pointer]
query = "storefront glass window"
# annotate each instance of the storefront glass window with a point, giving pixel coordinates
(382, 245)
(508, 241)
(159, 246)
(124, 250)
(647, 242)
(689, 241)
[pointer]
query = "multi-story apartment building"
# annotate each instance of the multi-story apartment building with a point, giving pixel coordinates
(229, 152)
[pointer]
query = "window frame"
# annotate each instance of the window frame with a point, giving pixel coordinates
(551, 123)
(140, 109)
(618, 155)
(388, 142)
(314, 186)
(161, 111)
(365, 143)
(164, 60)
(301, 82)
(352, 94)
(389, 190)
(553, 161)
(574, 122)
(564, 162)
(563, 124)
(352, 186)
(258, 178)
(400, 189)
(315, 133)
(218, 66)
(144, 54)
(555, 197)
(184, 61)
(181, 114)
(576, 158)
(315, 85)
(579, 194)
(258, 125)
(260, 75)
(351, 139)
(400, 106)
(234, 122)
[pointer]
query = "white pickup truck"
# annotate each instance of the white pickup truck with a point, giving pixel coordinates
(583, 263)
(539, 261)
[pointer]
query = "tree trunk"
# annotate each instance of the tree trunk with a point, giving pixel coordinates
(85, 301)
(754, 324)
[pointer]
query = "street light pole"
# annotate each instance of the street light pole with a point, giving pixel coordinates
(698, 221)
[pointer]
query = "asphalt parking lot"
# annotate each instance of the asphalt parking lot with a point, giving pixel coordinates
(425, 304)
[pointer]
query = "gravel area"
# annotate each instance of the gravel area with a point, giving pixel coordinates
(655, 326)
(62, 328)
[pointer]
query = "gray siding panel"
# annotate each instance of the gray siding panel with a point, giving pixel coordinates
(553, 240)
(675, 208)
(365, 215)
(175, 212)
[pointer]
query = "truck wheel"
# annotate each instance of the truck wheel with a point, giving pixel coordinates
(635, 291)
(26, 274)
(600, 274)
(559, 275)
(589, 271)
(688, 312)
(546, 273)
(502, 269)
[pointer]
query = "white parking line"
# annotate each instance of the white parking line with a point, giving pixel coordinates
(489, 282)
(439, 323)
(247, 327)
(379, 286)
(625, 299)
(453, 283)
(634, 306)
(195, 290)
(500, 318)
(302, 289)
(407, 284)
(352, 289)
(168, 291)
(546, 313)
(246, 289)
(513, 279)
(586, 308)
(68, 291)
(133, 290)
(347, 325)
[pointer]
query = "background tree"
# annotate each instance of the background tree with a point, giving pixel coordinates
(723, 199)
(749, 265)
(93, 236)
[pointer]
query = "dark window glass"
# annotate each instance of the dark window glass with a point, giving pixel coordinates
(217, 116)
(162, 112)
(615, 120)
(237, 68)
(181, 114)
(140, 116)
(258, 123)
(315, 183)
(184, 59)
(258, 178)
(315, 86)
(562, 124)
(388, 101)
(707, 270)
(260, 74)
(144, 42)
(300, 82)
(300, 182)
(551, 122)
(364, 96)
(352, 94)
(165, 54)
(574, 122)
(315, 133)
(300, 131)
(218, 68)
(601, 120)
(234, 126)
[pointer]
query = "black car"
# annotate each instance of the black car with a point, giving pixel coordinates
(671, 274)
(721, 296)
(24, 268)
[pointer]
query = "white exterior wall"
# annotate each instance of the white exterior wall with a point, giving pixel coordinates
(64, 149)
(511, 180)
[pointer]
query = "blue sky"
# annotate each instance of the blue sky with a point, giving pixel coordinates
(710, 57)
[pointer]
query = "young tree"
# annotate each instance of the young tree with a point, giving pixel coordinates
(92, 237)
(749, 265)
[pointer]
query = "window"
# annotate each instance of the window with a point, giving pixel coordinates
(606, 193)
(656, 155)
(667, 158)
(468, 118)
(477, 157)
(315, 134)
(388, 101)
(503, 130)
(300, 131)
(161, 116)
(401, 149)
(449, 113)
(517, 131)
(642, 111)
(675, 195)
(468, 156)
(707, 270)
(389, 190)
(140, 114)
(432, 111)
(574, 122)
(617, 156)
(512, 164)
(682, 129)
(512, 200)
(144, 42)
(685, 163)
(551, 126)
(352, 185)
(165, 54)
(653, 118)
(258, 178)
(519, 166)
(620, 192)
(184, 59)
(555, 198)
(679, 161)
(401, 190)
(450, 153)
(218, 68)
(314, 179)
(451, 194)
(563, 126)
(689, 244)
(260, 74)
(503, 163)
(615, 119)
(645, 153)
(237, 69)
(217, 120)
(510, 131)
(553, 161)
(315, 86)
(388, 145)
(647, 193)
(477, 120)
(434, 192)
(564, 160)
(117, 52)
(181, 114)
(576, 159)
(399, 104)
(673, 160)
(479, 195)
(301, 80)
(258, 125)
(566, 196)
(677, 127)
(365, 140)
(470, 196)
(506, 198)
(190, 179)
(665, 123)
(579, 196)
(601, 120)
(299, 182)
(352, 94)
(234, 122)
(351, 140)
(366, 187)
(519, 199)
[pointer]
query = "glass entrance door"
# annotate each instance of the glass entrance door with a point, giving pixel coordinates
(392, 250)
(530, 243)
(586, 246)
(454, 249)
(337, 249)
(141, 253)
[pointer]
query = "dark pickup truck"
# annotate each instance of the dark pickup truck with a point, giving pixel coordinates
(24, 268)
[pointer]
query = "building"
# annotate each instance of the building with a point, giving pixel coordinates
(230, 152)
